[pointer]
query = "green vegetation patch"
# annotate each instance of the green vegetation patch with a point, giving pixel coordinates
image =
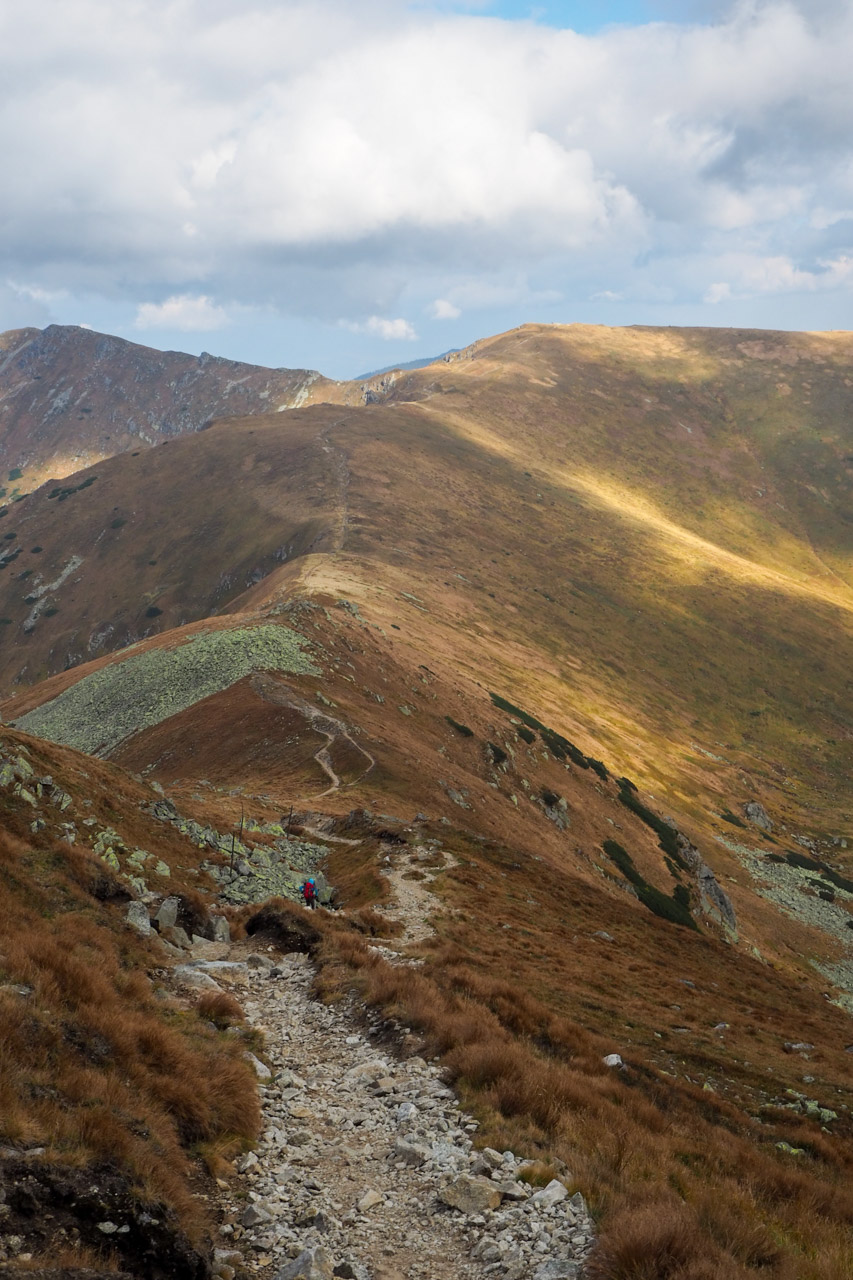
(675, 909)
(805, 863)
(61, 492)
(667, 835)
(460, 728)
(559, 746)
(103, 709)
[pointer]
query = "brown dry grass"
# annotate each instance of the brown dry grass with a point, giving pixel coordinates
(220, 1007)
(686, 1184)
(94, 1065)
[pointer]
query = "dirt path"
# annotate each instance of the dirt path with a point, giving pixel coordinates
(331, 729)
(360, 1155)
(410, 873)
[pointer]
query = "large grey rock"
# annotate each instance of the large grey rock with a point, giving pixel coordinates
(758, 815)
(137, 918)
(413, 1153)
(177, 936)
(221, 929)
(471, 1195)
(167, 916)
(233, 970)
(255, 1215)
(262, 1071)
(550, 1195)
(196, 978)
(312, 1264)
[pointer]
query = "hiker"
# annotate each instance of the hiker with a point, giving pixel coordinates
(309, 893)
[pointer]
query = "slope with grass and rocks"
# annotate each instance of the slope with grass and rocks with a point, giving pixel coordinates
(70, 397)
(538, 658)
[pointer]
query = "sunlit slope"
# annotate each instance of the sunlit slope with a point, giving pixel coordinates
(643, 536)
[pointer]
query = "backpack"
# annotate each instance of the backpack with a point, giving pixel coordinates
(309, 891)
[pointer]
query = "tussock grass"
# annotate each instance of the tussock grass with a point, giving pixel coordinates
(684, 1183)
(94, 1066)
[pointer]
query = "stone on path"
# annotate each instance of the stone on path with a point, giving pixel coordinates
(312, 1264)
(471, 1195)
(261, 1070)
(369, 1200)
(557, 1269)
(550, 1195)
(193, 977)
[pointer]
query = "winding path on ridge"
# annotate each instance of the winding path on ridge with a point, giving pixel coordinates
(321, 722)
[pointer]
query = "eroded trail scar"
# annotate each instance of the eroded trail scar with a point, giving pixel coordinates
(321, 722)
(410, 873)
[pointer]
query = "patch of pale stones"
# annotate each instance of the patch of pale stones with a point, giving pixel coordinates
(366, 1168)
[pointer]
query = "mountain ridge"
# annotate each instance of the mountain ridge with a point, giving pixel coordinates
(575, 607)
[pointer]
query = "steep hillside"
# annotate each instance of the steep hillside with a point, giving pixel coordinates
(70, 397)
(574, 607)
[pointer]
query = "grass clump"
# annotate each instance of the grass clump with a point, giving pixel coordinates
(462, 729)
(220, 1008)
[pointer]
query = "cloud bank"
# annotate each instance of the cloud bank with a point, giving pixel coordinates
(195, 158)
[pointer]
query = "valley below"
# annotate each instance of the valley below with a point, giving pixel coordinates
(537, 659)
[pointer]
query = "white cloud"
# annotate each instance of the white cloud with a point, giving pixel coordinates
(265, 152)
(442, 309)
(719, 292)
(398, 330)
(182, 311)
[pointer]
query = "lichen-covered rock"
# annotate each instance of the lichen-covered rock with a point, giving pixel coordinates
(104, 708)
(137, 918)
(758, 815)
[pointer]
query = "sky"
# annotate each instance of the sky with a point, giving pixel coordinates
(342, 187)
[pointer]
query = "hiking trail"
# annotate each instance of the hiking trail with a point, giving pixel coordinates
(365, 1168)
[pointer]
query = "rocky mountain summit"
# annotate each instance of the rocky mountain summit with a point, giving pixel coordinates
(70, 397)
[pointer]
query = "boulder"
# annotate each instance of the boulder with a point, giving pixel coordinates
(196, 978)
(261, 1070)
(221, 929)
(167, 916)
(550, 1195)
(757, 815)
(369, 1200)
(312, 1264)
(471, 1195)
(137, 918)
(413, 1153)
(255, 1215)
(613, 1060)
(177, 936)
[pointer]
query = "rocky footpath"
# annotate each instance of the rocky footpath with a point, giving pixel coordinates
(366, 1166)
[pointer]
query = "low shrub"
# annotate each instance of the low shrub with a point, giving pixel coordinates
(462, 729)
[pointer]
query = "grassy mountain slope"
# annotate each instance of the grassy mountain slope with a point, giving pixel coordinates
(561, 547)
